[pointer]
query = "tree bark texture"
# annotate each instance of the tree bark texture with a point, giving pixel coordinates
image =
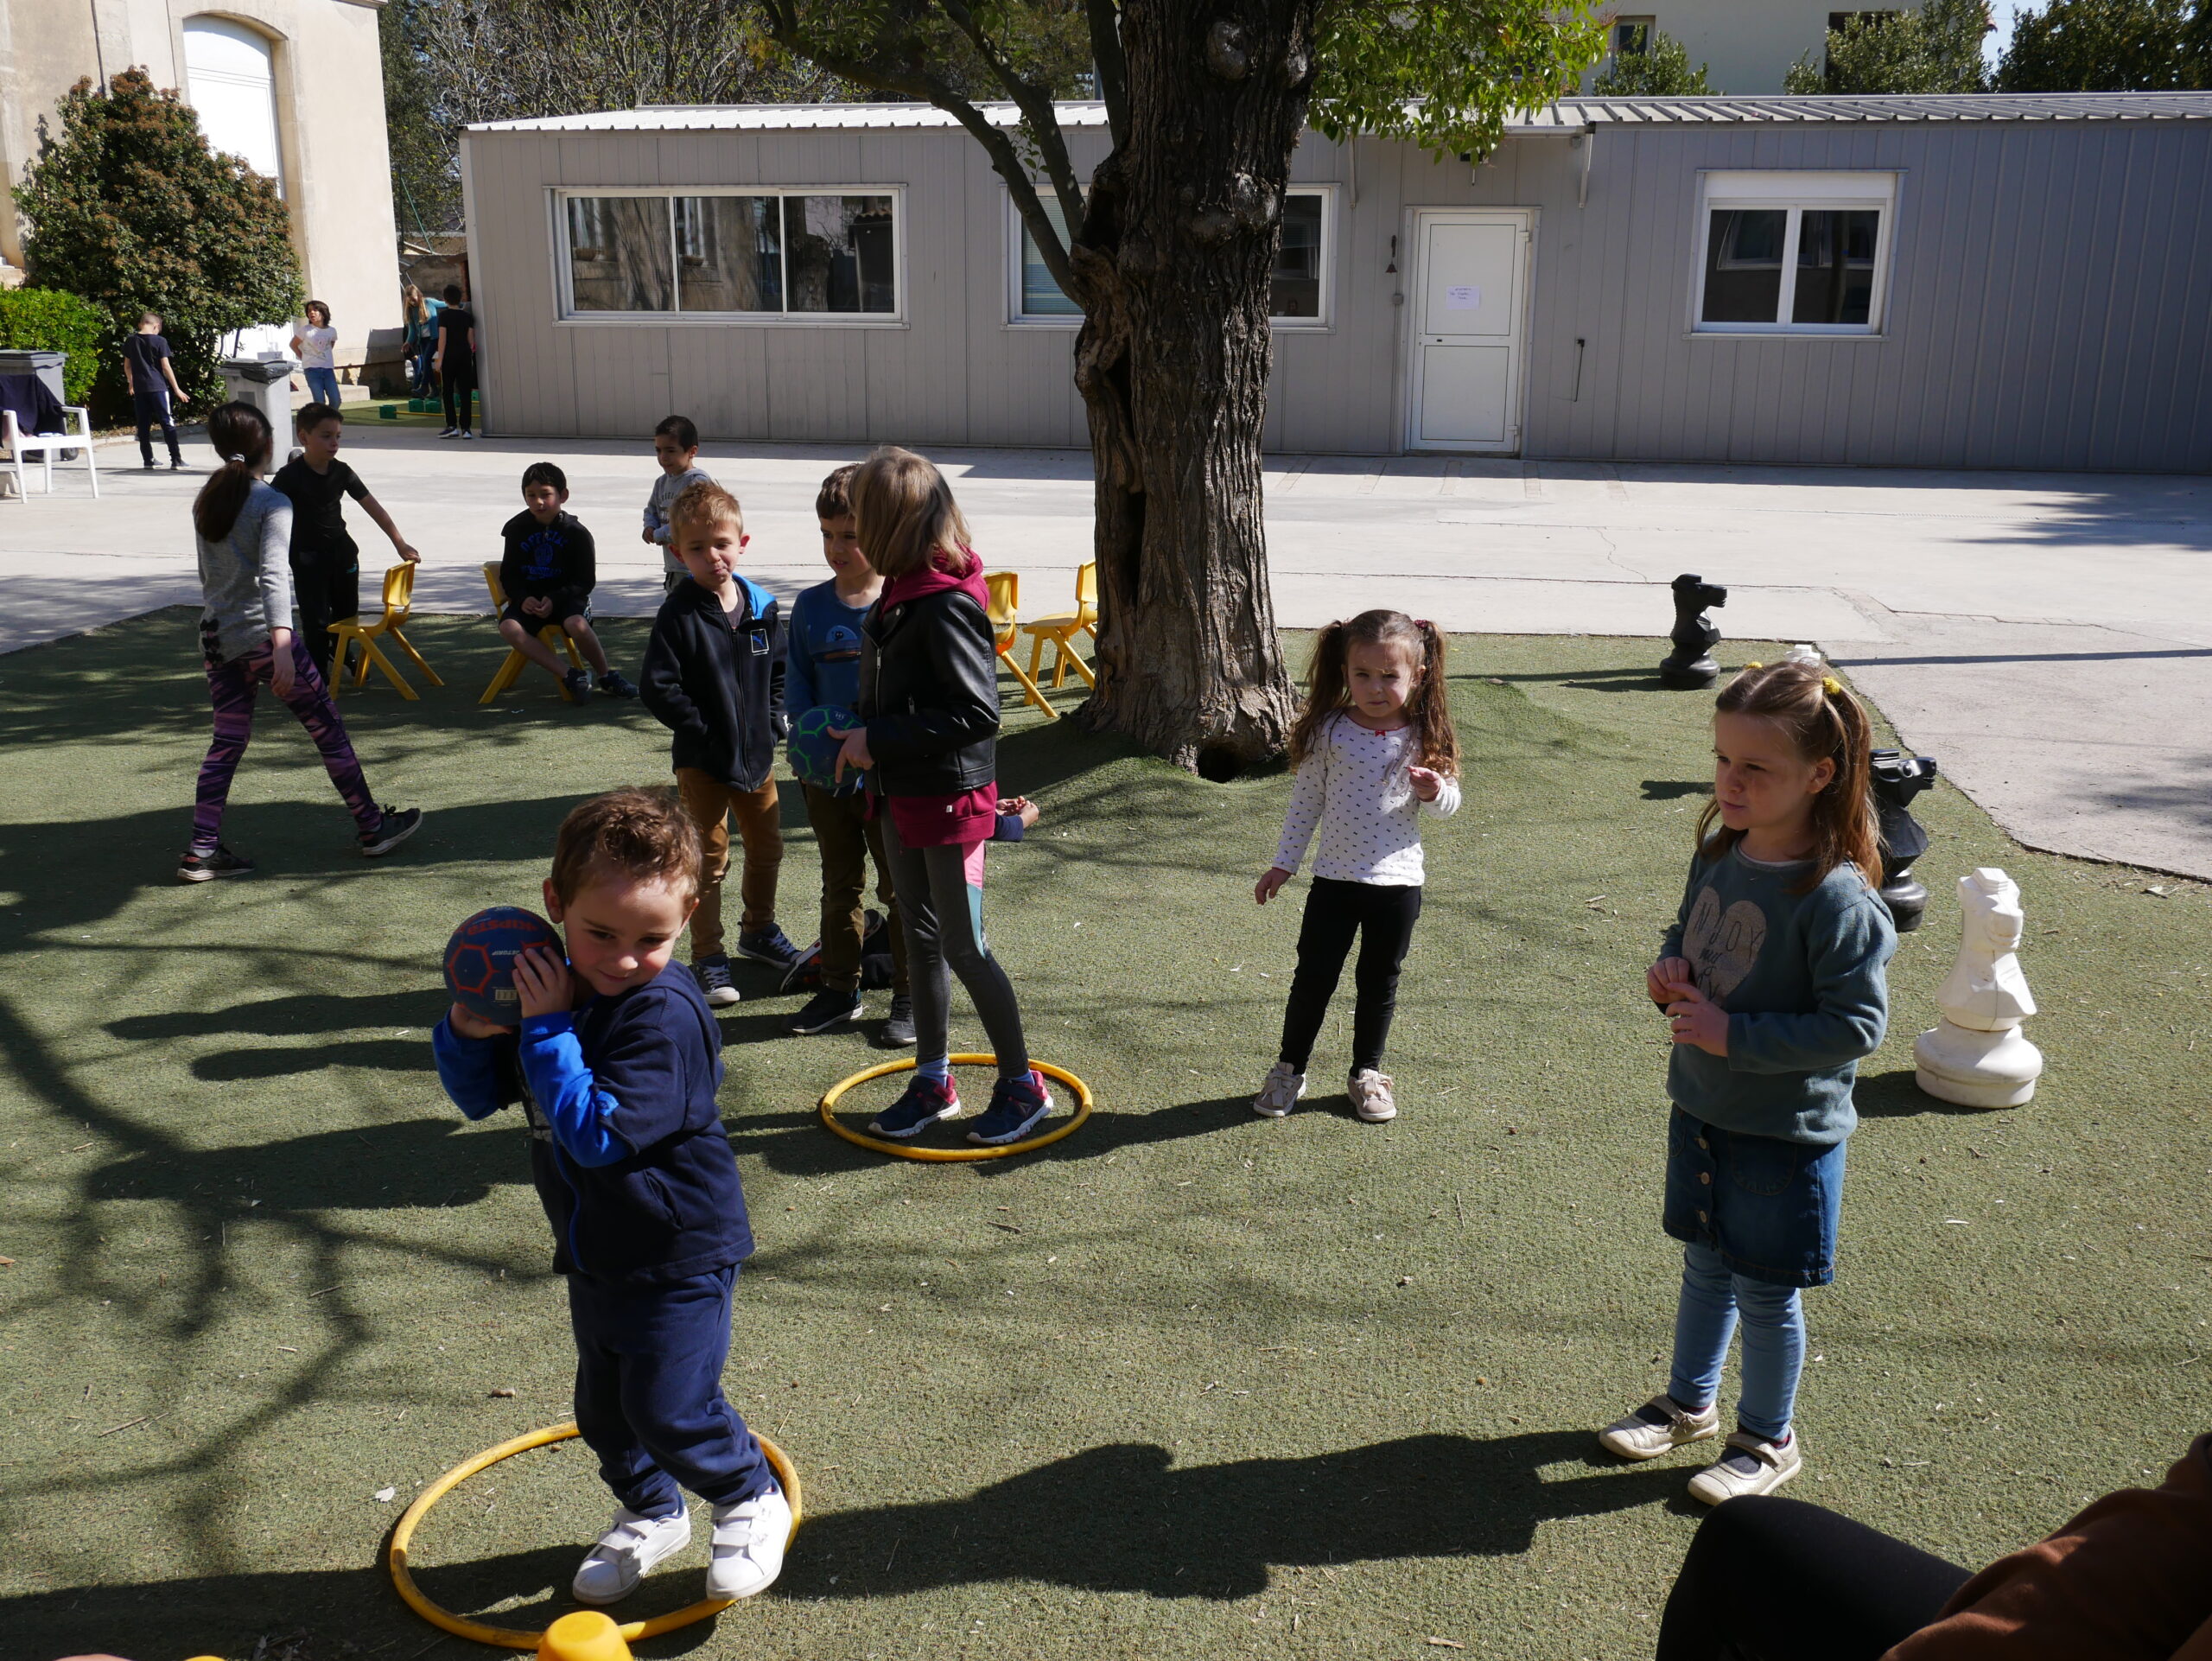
(1173, 268)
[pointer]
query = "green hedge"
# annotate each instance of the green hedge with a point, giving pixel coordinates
(49, 320)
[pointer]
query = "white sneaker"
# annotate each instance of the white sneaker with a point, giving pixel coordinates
(628, 1552)
(1280, 1092)
(1370, 1096)
(1751, 1465)
(1659, 1427)
(749, 1541)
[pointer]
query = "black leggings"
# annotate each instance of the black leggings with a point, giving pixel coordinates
(151, 405)
(1383, 918)
(327, 587)
(1778, 1580)
(457, 388)
(941, 904)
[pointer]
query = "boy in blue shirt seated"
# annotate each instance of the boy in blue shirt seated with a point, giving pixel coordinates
(616, 1066)
(548, 568)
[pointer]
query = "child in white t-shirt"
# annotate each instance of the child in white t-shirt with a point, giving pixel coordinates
(317, 346)
(1374, 748)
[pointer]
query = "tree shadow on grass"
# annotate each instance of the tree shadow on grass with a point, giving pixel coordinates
(413, 1163)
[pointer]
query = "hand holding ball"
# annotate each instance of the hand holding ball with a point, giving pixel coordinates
(480, 961)
(817, 737)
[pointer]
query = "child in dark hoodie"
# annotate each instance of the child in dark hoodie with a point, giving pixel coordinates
(929, 709)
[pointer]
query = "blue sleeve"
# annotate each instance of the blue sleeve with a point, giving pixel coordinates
(798, 671)
(1851, 1001)
(578, 1111)
(1009, 828)
(469, 1069)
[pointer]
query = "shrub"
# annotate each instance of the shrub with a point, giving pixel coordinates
(53, 320)
(1660, 70)
(1934, 49)
(2107, 46)
(131, 211)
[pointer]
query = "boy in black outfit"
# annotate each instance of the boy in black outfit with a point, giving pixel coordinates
(547, 569)
(152, 380)
(616, 1064)
(325, 565)
(454, 364)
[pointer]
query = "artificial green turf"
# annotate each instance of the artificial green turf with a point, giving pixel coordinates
(1189, 1383)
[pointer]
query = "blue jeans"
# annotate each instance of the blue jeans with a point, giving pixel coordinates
(1774, 1341)
(322, 386)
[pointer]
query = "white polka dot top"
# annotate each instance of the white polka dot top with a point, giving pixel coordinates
(1353, 788)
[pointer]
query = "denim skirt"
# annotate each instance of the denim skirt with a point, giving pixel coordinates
(1769, 1208)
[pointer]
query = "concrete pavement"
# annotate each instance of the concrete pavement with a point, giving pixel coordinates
(2049, 638)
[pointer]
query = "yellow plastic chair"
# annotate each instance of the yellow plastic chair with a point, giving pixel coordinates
(399, 601)
(553, 634)
(1060, 632)
(1005, 589)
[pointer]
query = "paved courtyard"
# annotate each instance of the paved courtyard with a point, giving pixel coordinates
(2049, 638)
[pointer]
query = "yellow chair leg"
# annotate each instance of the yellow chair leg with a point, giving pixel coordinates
(1070, 658)
(408, 646)
(505, 678)
(1036, 655)
(1029, 688)
(370, 654)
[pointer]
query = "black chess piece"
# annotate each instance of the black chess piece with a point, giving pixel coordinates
(1689, 666)
(1898, 778)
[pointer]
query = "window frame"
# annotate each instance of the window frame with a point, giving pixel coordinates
(1322, 323)
(1795, 192)
(1646, 21)
(565, 315)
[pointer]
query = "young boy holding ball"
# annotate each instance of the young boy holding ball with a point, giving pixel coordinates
(616, 1065)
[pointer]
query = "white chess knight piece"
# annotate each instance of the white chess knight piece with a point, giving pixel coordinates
(1978, 1056)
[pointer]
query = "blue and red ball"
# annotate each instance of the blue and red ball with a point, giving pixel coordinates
(481, 960)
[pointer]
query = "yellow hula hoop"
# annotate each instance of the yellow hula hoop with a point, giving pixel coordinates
(508, 1636)
(828, 1105)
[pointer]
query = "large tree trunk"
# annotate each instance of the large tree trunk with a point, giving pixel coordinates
(1173, 269)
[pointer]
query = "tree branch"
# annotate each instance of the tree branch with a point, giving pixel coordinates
(1035, 103)
(1111, 67)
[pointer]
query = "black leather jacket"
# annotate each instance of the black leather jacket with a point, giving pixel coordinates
(930, 695)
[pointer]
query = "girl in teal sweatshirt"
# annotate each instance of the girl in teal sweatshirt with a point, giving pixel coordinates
(1773, 980)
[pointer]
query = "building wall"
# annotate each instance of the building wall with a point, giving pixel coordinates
(329, 90)
(1746, 44)
(2046, 301)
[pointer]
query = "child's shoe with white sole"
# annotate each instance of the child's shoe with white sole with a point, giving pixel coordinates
(749, 1541)
(1280, 1092)
(1660, 1426)
(628, 1552)
(1370, 1096)
(1751, 1465)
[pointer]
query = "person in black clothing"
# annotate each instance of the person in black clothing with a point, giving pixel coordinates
(455, 364)
(325, 565)
(147, 371)
(547, 571)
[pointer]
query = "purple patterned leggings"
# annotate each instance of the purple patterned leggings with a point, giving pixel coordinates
(234, 686)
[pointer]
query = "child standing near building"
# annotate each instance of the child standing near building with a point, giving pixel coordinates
(676, 447)
(454, 364)
(547, 569)
(1375, 750)
(929, 706)
(713, 676)
(244, 533)
(317, 345)
(152, 380)
(1774, 982)
(616, 1066)
(325, 565)
(825, 673)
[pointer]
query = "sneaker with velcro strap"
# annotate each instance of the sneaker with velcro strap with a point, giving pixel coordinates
(626, 1553)
(1660, 1426)
(1752, 1465)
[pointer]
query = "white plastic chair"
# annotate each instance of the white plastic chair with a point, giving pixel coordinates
(42, 445)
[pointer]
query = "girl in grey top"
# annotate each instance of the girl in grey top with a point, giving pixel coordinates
(245, 635)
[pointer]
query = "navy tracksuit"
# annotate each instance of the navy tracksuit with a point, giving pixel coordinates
(649, 1225)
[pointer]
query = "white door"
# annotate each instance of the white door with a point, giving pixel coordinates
(1471, 275)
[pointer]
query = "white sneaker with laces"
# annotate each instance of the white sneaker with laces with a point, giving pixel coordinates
(1370, 1096)
(628, 1552)
(1280, 1092)
(1659, 1427)
(749, 1541)
(1751, 1465)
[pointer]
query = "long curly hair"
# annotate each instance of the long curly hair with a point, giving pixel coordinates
(1822, 720)
(1328, 685)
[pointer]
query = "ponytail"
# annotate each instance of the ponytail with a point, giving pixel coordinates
(1427, 710)
(242, 437)
(1822, 720)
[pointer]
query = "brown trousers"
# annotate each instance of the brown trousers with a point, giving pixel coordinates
(847, 839)
(710, 803)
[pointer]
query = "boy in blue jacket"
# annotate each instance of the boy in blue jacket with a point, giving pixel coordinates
(616, 1066)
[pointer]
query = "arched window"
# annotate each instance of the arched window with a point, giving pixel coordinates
(231, 79)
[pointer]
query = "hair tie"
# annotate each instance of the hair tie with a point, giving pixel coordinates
(1832, 686)
(1423, 623)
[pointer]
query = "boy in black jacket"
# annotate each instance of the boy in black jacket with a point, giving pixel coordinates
(714, 675)
(616, 1065)
(548, 568)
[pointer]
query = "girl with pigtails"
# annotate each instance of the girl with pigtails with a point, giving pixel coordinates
(1375, 750)
(1773, 979)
